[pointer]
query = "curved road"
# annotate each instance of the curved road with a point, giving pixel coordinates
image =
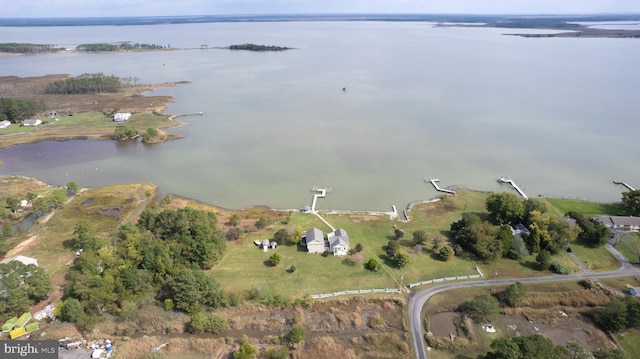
(417, 299)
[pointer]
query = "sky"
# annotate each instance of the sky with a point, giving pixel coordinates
(106, 8)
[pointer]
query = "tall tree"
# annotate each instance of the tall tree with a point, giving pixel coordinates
(13, 204)
(505, 207)
(514, 294)
(58, 197)
(72, 188)
(631, 201)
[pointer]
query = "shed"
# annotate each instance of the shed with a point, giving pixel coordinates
(31, 122)
(265, 245)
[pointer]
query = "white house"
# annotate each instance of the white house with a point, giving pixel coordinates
(23, 259)
(314, 240)
(121, 116)
(5, 124)
(620, 223)
(338, 242)
(32, 122)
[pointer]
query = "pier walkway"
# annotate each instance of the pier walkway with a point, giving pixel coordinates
(515, 186)
(321, 193)
(173, 117)
(624, 184)
(434, 182)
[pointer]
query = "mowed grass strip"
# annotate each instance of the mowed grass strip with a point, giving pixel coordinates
(586, 208)
(597, 259)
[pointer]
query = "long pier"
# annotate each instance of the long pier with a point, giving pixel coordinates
(515, 186)
(624, 184)
(434, 182)
(171, 118)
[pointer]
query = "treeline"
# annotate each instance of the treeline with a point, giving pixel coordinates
(118, 47)
(254, 47)
(163, 256)
(16, 110)
(85, 84)
(26, 48)
(540, 232)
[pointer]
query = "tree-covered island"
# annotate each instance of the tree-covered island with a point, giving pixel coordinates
(254, 47)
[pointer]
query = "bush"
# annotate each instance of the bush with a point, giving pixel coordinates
(393, 245)
(561, 268)
(359, 248)
(372, 264)
(275, 259)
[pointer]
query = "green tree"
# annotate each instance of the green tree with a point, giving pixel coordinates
(573, 350)
(82, 233)
(13, 204)
(198, 323)
(124, 132)
(514, 294)
(505, 207)
(613, 316)
(372, 264)
(518, 249)
(71, 310)
(58, 197)
(524, 347)
(420, 237)
(295, 335)
(31, 196)
(609, 354)
(445, 253)
(72, 188)
(275, 259)
(482, 308)
(544, 260)
(246, 351)
(282, 236)
(393, 245)
(631, 201)
(218, 324)
(262, 223)
(40, 205)
(401, 259)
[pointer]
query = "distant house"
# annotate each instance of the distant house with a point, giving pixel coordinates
(52, 114)
(635, 291)
(23, 259)
(5, 124)
(314, 240)
(620, 223)
(32, 122)
(519, 230)
(121, 116)
(338, 242)
(265, 245)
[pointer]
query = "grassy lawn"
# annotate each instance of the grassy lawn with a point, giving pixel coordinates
(630, 342)
(586, 208)
(597, 259)
(621, 283)
(629, 245)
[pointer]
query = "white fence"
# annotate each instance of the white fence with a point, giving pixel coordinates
(357, 291)
(458, 277)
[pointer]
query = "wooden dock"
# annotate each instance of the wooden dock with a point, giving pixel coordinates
(434, 182)
(514, 185)
(624, 184)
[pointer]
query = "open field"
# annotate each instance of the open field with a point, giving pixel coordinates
(535, 316)
(596, 259)
(586, 208)
(630, 342)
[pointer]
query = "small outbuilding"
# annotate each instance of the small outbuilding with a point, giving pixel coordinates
(22, 259)
(32, 122)
(5, 124)
(265, 245)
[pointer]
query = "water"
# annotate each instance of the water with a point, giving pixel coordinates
(460, 104)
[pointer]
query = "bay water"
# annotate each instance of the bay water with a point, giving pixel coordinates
(465, 105)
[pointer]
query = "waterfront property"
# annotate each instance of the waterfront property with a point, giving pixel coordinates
(620, 223)
(337, 242)
(121, 116)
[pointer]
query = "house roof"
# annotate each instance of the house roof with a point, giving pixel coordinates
(339, 236)
(619, 221)
(23, 259)
(314, 235)
(31, 121)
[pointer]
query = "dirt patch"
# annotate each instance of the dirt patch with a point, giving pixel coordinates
(441, 324)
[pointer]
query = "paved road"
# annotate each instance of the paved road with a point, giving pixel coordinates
(417, 300)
